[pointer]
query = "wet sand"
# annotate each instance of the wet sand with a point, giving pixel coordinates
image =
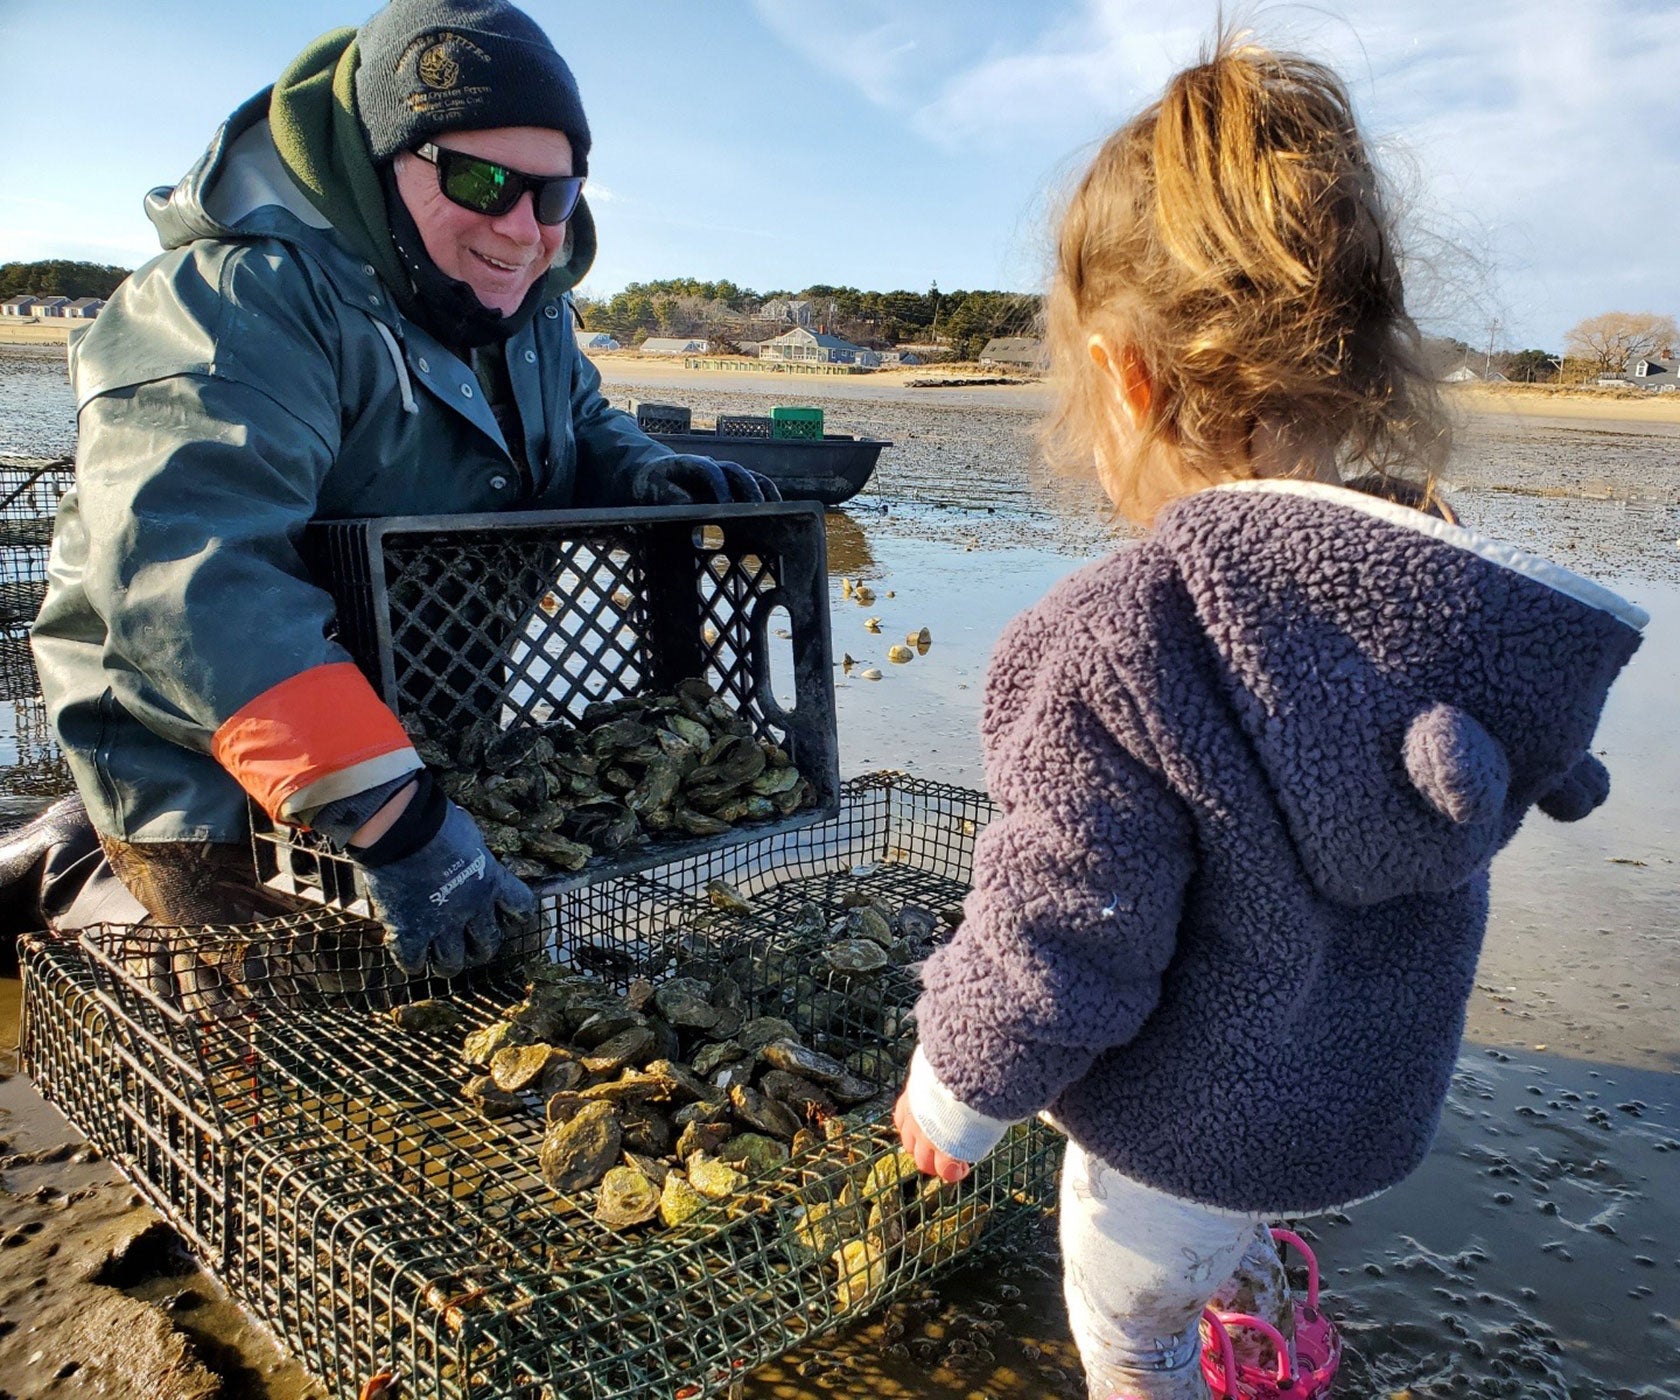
(1537, 1252)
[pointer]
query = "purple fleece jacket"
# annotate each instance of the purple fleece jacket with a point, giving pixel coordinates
(1251, 774)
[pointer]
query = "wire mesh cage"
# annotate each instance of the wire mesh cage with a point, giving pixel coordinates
(546, 620)
(317, 1141)
(30, 489)
(32, 763)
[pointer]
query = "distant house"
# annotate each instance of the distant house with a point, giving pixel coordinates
(1462, 375)
(793, 313)
(50, 306)
(597, 340)
(1648, 372)
(673, 345)
(800, 344)
(901, 356)
(84, 307)
(1015, 352)
(18, 306)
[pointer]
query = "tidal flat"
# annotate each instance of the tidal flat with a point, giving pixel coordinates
(1535, 1254)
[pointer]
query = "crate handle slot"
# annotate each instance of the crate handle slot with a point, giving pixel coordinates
(764, 609)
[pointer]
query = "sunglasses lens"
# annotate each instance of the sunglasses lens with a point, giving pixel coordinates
(479, 185)
(557, 198)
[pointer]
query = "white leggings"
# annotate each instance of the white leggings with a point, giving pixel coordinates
(1138, 1268)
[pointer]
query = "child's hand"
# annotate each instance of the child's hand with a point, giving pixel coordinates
(929, 1159)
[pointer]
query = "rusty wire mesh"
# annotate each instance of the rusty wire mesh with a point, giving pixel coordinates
(254, 1084)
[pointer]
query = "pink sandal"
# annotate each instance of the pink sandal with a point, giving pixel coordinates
(1305, 1368)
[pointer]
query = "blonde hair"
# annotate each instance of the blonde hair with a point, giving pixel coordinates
(1235, 237)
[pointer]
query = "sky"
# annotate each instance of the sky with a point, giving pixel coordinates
(884, 144)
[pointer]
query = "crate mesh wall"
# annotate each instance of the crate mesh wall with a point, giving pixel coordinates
(532, 617)
(325, 1163)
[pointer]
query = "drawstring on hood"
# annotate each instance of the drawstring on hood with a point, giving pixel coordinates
(316, 128)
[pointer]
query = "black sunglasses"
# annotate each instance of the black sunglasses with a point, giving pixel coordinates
(486, 187)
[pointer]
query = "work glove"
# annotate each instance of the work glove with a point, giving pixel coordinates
(686, 479)
(437, 889)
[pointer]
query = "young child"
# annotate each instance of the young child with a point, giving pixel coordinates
(1251, 772)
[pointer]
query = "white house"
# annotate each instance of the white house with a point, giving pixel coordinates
(18, 306)
(597, 340)
(800, 344)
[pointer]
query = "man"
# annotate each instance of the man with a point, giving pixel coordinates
(362, 309)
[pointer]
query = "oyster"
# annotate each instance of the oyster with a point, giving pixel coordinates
(577, 1153)
(627, 1198)
(518, 1067)
(484, 1095)
(426, 1017)
(714, 1179)
(678, 1200)
(857, 956)
(726, 897)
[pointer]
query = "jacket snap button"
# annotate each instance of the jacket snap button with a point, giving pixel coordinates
(466, 390)
(424, 367)
(530, 357)
(551, 312)
(368, 268)
(499, 483)
(373, 299)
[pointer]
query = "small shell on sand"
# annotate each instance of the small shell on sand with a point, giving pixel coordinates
(898, 655)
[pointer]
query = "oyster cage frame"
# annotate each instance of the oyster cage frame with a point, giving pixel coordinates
(528, 616)
(322, 1162)
(30, 490)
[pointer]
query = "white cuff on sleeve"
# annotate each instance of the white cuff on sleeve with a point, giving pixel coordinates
(951, 1125)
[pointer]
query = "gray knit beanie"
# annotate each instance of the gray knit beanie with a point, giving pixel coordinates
(429, 66)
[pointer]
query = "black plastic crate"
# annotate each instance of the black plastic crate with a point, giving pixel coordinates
(530, 617)
(663, 417)
(744, 425)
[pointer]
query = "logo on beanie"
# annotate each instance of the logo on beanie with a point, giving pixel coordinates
(438, 68)
(451, 72)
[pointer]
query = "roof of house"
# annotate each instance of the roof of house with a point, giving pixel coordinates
(19, 301)
(670, 344)
(800, 336)
(1652, 362)
(1013, 344)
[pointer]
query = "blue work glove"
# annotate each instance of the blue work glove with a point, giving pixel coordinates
(437, 889)
(686, 479)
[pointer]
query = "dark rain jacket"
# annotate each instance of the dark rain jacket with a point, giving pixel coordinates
(255, 377)
(1251, 775)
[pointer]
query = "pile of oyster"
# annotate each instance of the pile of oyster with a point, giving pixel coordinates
(550, 796)
(673, 1095)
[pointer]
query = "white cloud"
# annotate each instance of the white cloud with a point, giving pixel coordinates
(1539, 138)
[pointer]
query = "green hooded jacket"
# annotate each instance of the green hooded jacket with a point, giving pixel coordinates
(260, 374)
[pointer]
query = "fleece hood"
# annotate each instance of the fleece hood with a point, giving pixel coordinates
(293, 163)
(1409, 687)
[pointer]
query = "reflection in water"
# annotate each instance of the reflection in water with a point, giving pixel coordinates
(848, 547)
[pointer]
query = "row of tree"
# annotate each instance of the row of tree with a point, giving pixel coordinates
(726, 314)
(59, 278)
(962, 321)
(1606, 344)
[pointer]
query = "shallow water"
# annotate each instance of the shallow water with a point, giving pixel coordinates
(1537, 1252)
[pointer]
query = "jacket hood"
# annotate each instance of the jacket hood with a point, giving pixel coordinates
(296, 154)
(1409, 687)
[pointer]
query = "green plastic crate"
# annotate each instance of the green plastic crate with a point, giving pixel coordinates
(796, 422)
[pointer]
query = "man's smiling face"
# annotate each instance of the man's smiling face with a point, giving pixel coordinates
(500, 256)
